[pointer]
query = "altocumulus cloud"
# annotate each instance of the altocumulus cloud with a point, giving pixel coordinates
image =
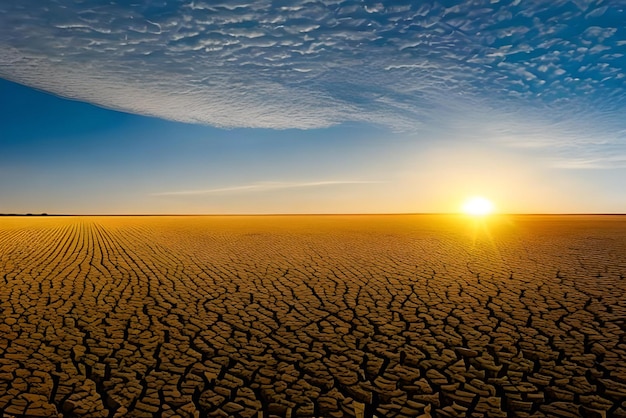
(305, 64)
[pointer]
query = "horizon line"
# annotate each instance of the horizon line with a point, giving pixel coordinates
(43, 214)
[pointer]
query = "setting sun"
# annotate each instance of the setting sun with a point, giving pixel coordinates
(477, 206)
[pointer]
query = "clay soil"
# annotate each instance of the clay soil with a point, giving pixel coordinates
(313, 316)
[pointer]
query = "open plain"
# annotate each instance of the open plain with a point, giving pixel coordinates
(313, 316)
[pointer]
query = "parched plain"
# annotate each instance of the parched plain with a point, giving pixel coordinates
(313, 316)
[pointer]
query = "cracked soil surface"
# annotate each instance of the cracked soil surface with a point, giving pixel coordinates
(313, 316)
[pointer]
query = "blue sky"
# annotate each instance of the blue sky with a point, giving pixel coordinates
(311, 106)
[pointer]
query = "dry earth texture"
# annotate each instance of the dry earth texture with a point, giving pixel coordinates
(327, 316)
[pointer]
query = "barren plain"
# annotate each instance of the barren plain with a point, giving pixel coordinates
(313, 316)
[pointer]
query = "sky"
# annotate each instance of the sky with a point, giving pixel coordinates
(330, 106)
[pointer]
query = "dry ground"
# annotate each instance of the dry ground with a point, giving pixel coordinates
(392, 316)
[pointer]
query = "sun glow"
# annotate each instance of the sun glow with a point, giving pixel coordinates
(477, 206)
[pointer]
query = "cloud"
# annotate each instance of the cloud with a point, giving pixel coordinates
(265, 187)
(310, 64)
(618, 161)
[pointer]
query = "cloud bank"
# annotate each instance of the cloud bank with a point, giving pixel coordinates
(308, 64)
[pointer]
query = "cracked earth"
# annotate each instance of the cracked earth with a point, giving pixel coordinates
(313, 316)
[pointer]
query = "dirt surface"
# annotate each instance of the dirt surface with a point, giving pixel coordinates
(329, 316)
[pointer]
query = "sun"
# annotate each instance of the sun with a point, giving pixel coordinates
(477, 206)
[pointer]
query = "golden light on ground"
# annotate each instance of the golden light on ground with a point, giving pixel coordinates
(477, 206)
(253, 293)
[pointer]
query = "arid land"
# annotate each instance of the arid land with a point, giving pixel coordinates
(313, 316)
